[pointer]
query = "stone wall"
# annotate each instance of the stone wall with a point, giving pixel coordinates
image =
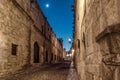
(14, 30)
(98, 16)
(25, 36)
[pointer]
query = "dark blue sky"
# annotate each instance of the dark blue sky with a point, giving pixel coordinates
(60, 17)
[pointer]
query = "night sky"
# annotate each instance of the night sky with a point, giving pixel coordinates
(60, 17)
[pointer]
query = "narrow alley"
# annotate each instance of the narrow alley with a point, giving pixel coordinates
(59, 71)
(59, 39)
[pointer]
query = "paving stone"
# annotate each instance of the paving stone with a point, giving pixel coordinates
(59, 71)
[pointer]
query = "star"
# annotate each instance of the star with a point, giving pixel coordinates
(47, 5)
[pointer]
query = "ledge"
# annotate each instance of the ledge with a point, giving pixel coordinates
(109, 30)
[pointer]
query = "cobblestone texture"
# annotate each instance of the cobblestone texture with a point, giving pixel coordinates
(59, 71)
(72, 75)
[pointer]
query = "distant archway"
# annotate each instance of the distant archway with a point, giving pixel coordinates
(36, 52)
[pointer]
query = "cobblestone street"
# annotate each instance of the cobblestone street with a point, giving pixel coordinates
(59, 71)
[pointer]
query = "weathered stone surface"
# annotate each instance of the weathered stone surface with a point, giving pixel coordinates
(14, 24)
(23, 24)
(100, 19)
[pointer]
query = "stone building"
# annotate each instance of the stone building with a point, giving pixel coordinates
(26, 37)
(97, 39)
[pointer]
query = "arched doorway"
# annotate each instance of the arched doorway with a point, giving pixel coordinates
(46, 56)
(36, 52)
(51, 57)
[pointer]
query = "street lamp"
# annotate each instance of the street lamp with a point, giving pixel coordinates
(69, 40)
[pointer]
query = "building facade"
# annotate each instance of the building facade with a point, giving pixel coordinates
(97, 39)
(26, 37)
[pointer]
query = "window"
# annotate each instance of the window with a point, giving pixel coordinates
(78, 43)
(43, 29)
(84, 40)
(14, 49)
(31, 1)
(50, 37)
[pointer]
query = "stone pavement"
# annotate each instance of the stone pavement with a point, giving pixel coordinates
(59, 71)
(72, 74)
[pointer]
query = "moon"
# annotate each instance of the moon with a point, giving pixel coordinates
(47, 5)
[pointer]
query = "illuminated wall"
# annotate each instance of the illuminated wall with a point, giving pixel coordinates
(95, 47)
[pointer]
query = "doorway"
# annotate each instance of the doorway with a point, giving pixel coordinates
(46, 56)
(36, 52)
